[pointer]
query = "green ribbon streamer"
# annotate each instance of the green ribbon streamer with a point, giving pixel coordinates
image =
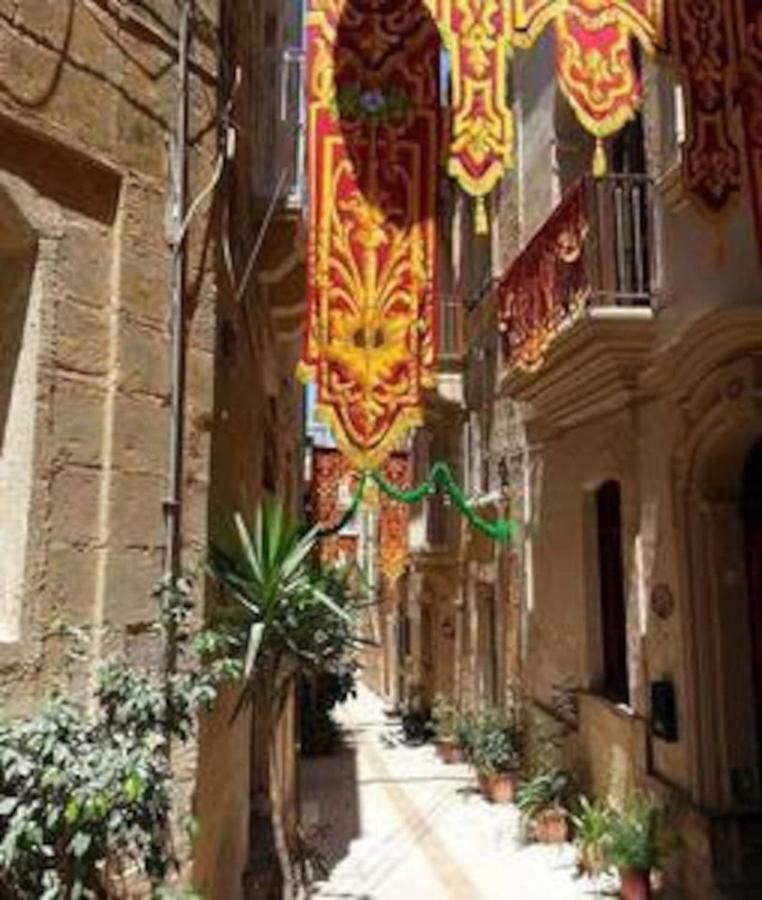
(500, 530)
(350, 513)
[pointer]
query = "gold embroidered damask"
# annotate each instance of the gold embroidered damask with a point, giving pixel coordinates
(373, 153)
(595, 66)
(477, 36)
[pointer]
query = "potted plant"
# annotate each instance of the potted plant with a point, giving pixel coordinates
(592, 826)
(495, 754)
(636, 845)
(445, 718)
(542, 800)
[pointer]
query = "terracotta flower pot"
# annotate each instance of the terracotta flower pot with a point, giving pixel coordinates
(634, 884)
(449, 751)
(497, 788)
(551, 826)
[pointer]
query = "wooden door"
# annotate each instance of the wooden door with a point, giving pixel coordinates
(752, 515)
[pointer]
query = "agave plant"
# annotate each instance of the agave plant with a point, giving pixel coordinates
(283, 603)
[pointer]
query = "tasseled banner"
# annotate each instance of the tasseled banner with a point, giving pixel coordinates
(481, 222)
(600, 162)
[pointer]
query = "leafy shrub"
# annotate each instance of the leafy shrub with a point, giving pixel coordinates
(592, 827)
(445, 717)
(545, 790)
(638, 837)
(319, 694)
(86, 797)
(495, 744)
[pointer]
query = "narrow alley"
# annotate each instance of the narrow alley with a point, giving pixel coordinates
(380, 449)
(395, 823)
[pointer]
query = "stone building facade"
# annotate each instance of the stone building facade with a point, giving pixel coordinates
(626, 612)
(631, 453)
(88, 105)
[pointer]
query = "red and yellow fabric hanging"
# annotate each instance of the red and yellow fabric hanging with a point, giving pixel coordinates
(547, 286)
(750, 76)
(394, 518)
(477, 36)
(702, 43)
(373, 151)
(332, 482)
(595, 66)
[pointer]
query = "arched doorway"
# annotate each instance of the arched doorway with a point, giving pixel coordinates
(723, 534)
(751, 509)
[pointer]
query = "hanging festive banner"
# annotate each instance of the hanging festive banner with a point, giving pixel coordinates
(595, 66)
(394, 517)
(373, 150)
(750, 76)
(701, 40)
(477, 35)
(547, 286)
(332, 489)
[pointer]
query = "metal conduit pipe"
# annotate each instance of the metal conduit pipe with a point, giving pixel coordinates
(179, 176)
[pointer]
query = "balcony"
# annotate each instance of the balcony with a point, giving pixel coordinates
(576, 307)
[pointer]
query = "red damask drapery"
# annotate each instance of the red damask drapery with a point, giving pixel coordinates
(750, 76)
(394, 518)
(702, 42)
(547, 286)
(373, 153)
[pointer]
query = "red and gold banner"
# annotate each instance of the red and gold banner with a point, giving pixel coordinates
(373, 151)
(547, 286)
(394, 518)
(750, 75)
(595, 66)
(332, 487)
(477, 35)
(702, 41)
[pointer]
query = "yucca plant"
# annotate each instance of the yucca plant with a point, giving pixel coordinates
(285, 607)
(282, 600)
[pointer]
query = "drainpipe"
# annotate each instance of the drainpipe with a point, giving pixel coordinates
(179, 176)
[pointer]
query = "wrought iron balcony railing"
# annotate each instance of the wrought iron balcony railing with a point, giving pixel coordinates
(595, 250)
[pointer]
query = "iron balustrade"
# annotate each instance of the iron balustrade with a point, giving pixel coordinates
(618, 251)
(594, 250)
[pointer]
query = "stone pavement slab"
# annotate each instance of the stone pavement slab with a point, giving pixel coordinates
(397, 824)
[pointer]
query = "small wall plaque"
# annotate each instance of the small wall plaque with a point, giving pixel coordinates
(662, 601)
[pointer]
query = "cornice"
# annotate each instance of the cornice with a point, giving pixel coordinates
(592, 368)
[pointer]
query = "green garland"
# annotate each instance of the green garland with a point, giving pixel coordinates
(350, 513)
(500, 530)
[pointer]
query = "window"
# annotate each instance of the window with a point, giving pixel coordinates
(613, 609)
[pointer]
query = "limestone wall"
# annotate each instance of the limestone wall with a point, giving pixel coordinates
(86, 110)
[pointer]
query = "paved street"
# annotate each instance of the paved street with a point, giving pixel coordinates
(398, 824)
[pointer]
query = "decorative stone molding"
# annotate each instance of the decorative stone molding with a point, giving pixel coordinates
(592, 368)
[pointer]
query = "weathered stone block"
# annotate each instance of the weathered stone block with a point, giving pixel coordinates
(136, 510)
(50, 19)
(145, 279)
(72, 582)
(75, 497)
(143, 359)
(81, 338)
(141, 430)
(84, 264)
(77, 423)
(131, 576)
